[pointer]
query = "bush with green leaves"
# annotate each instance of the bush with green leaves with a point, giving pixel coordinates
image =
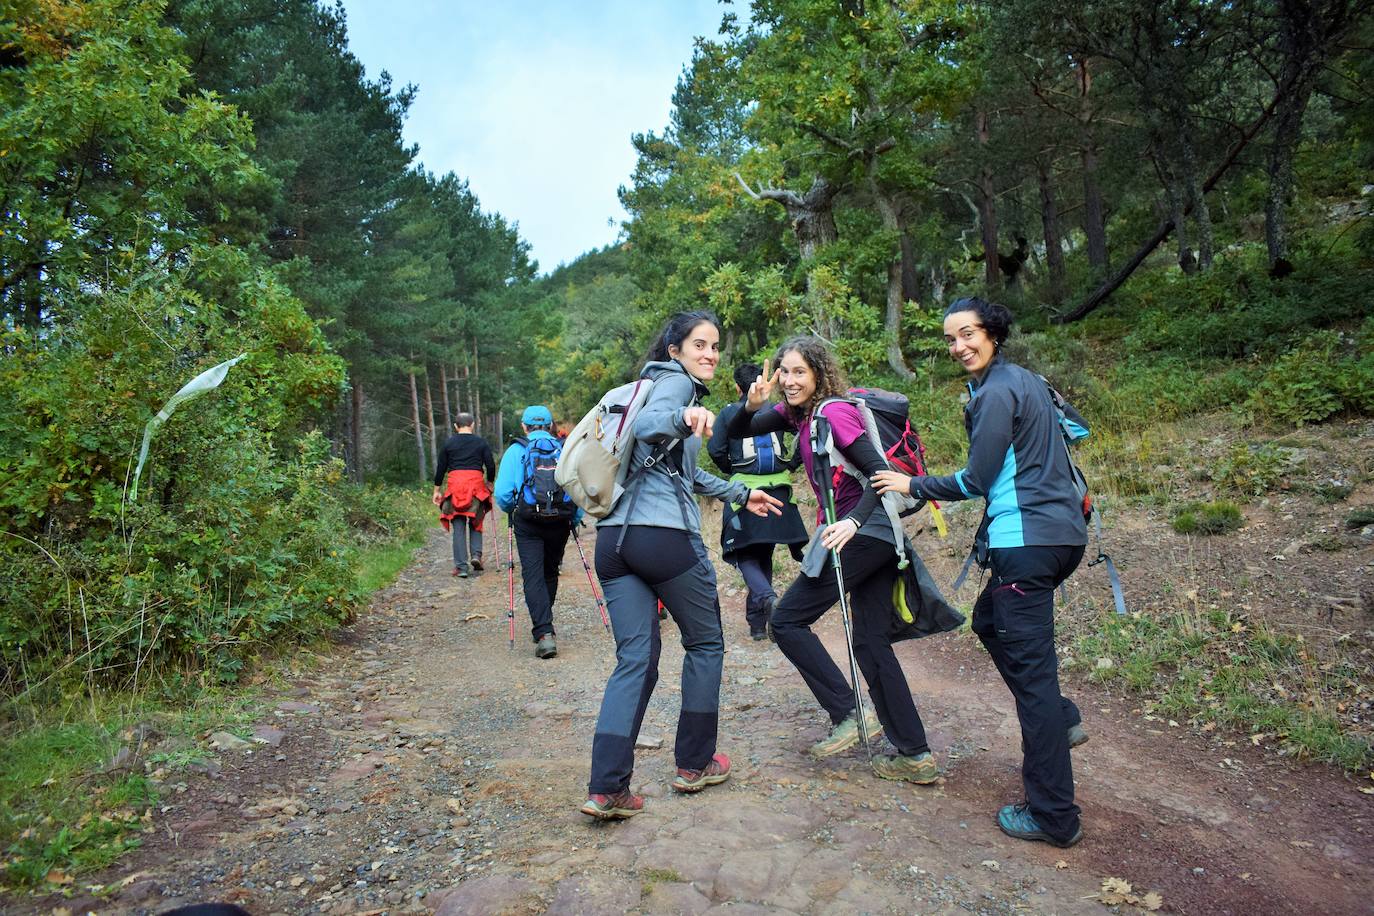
(1324, 375)
(1219, 517)
(239, 535)
(1249, 469)
(1235, 310)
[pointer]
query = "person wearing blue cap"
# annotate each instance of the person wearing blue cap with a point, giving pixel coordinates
(542, 516)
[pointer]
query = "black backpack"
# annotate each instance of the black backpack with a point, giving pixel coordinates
(540, 496)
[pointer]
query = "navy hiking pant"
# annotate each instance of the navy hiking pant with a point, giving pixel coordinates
(755, 564)
(1014, 617)
(870, 571)
(540, 545)
(652, 565)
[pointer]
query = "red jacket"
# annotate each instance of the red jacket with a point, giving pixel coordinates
(467, 494)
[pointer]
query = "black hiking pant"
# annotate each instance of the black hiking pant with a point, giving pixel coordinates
(540, 545)
(1014, 617)
(870, 571)
(669, 565)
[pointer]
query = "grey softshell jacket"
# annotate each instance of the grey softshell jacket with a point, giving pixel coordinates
(661, 496)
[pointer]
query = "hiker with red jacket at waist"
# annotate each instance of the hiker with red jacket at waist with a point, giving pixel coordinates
(462, 491)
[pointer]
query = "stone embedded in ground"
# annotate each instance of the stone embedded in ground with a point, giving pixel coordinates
(225, 741)
(354, 770)
(649, 742)
(479, 896)
(593, 895)
(266, 734)
(674, 897)
(300, 709)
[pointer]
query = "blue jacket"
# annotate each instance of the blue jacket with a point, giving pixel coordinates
(511, 475)
(1016, 461)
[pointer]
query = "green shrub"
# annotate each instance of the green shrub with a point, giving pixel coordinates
(1252, 470)
(244, 533)
(1235, 310)
(1323, 375)
(1220, 517)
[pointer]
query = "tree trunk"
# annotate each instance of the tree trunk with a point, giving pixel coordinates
(1049, 222)
(475, 387)
(1178, 216)
(415, 420)
(1301, 43)
(911, 278)
(443, 389)
(811, 214)
(1202, 215)
(987, 210)
(356, 432)
(892, 315)
(1094, 212)
(429, 415)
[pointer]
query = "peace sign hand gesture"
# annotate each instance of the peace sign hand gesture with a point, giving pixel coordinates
(762, 390)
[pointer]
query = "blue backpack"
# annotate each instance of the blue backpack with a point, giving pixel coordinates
(540, 495)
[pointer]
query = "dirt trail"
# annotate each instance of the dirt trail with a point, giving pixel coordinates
(426, 766)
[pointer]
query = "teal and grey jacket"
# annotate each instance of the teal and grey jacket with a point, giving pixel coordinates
(662, 495)
(1016, 461)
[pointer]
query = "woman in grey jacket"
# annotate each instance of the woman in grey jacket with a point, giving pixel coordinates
(649, 549)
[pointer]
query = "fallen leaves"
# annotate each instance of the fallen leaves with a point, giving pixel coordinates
(1116, 891)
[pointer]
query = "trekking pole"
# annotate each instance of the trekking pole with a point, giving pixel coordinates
(824, 473)
(600, 602)
(510, 577)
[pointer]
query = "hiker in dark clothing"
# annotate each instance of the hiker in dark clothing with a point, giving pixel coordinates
(1033, 535)
(747, 541)
(864, 536)
(649, 549)
(462, 491)
(540, 536)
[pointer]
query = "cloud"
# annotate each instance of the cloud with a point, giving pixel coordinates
(534, 103)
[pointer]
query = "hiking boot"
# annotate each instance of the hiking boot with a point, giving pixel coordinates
(920, 769)
(460, 571)
(547, 647)
(476, 564)
(615, 807)
(1077, 735)
(845, 735)
(716, 772)
(1017, 821)
(758, 635)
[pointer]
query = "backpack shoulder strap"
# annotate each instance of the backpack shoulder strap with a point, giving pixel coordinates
(893, 503)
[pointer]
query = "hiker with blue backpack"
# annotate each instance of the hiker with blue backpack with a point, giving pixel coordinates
(747, 541)
(632, 462)
(1032, 537)
(857, 558)
(542, 517)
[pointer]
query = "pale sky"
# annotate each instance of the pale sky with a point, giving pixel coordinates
(534, 101)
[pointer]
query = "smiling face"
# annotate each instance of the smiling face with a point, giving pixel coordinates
(969, 343)
(797, 379)
(700, 351)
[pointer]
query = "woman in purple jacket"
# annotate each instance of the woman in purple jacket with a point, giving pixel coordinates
(808, 375)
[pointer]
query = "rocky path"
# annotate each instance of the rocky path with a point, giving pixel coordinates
(425, 766)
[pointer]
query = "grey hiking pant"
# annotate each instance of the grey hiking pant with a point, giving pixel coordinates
(668, 565)
(467, 541)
